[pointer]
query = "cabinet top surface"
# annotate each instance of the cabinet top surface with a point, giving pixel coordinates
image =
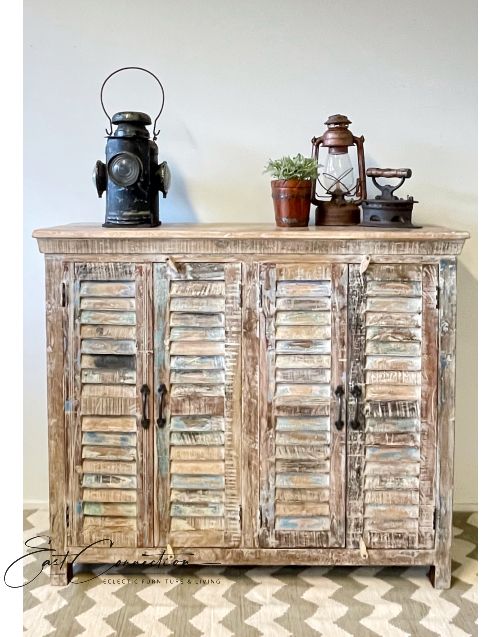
(249, 231)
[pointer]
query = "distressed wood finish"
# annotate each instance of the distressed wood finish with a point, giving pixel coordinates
(249, 239)
(107, 448)
(300, 447)
(355, 438)
(198, 358)
(252, 329)
(56, 274)
(400, 513)
(441, 571)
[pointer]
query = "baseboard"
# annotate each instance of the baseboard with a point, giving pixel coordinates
(44, 505)
(36, 504)
(465, 506)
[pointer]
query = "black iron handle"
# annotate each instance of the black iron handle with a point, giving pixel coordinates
(387, 191)
(356, 392)
(145, 396)
(161, 421)
(339, 392)
(389, 172)
(133, 68)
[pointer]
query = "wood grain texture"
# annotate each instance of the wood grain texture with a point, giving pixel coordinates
(397, 383)
(405, 370)
(251, 404)
(106, 446)
(267, 433)
(298, 450)
(232, 406)
(429, 398)
(355, 377)
(198, 336)
(340, 283)
(282, 556)
(441, 572)
(248, 239)
(56, 331)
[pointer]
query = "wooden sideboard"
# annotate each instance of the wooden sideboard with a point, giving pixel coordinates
(243, 394)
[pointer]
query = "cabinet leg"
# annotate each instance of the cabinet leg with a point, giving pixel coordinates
(61, 576)
(440, 574)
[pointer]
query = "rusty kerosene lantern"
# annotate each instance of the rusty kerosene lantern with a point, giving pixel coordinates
(387, 210)
(131, 175)
(337, 192)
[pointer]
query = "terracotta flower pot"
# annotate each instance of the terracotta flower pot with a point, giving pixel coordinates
(292, 201)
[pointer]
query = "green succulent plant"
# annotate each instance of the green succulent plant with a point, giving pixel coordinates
(298, 167)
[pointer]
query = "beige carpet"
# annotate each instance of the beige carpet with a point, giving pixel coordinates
(250, 602)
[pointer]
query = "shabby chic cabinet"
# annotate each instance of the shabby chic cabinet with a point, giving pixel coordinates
(242, 394)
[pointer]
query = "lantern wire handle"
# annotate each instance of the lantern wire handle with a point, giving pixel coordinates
(133, 68)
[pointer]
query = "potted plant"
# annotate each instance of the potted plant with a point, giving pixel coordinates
(291, 189)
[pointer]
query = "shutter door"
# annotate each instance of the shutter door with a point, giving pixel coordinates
(302, 362)
(106, 368)
(198, 349)
(393, 358)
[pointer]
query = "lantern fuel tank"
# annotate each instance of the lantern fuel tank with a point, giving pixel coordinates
(131, 175)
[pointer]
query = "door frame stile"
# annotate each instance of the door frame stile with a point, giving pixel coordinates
(340, 281)
(251, 399)
(161, 374)
(355, 376)
(56, 330)
(144, 359)
(267, 383)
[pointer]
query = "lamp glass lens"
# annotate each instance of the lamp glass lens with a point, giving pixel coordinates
(338, 173)
(124, 169)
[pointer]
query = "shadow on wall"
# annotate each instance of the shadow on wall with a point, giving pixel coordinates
(177, 208)
(466, 385)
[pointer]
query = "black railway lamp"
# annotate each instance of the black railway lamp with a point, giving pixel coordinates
(131, 175)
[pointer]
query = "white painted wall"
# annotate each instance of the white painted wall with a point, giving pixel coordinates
(246, 81)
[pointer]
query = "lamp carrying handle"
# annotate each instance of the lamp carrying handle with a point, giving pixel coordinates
(389, 172)
(133, 68)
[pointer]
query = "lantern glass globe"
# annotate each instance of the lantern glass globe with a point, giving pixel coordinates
(338, 173)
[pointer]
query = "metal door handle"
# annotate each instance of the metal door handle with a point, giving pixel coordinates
(144, 417)
(356, 392)
(339, 392)
(161, 421)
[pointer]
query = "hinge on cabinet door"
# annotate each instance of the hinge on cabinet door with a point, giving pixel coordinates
(240, 515)
(260, 516)
(435, 519)
(438, 294)
(241, 295)
(67, 516)
(63, 294)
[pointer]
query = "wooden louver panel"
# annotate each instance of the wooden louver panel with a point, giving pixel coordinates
(198, 319)
(302, 454)
(107, 445)
(397, 348)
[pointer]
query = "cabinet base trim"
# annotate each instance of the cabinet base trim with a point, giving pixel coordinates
(253, 556)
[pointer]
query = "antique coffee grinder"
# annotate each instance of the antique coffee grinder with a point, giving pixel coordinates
(387, 210)
(337, 192)
(131, 175)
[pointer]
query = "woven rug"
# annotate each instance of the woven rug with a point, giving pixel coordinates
(257, 601)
